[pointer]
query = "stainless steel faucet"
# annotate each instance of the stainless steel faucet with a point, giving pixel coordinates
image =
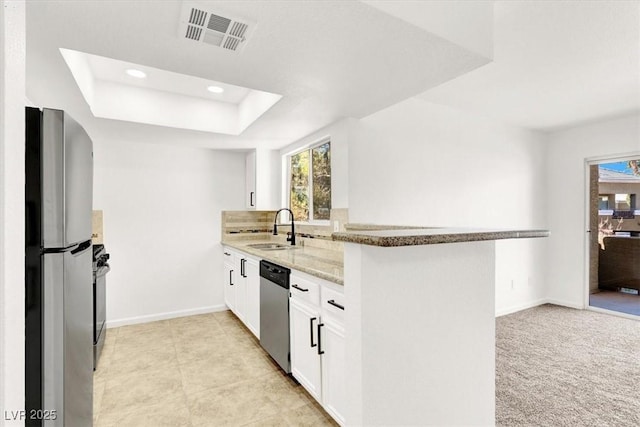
(291, 239)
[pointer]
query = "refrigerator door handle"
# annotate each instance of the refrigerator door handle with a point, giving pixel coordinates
(81, 247)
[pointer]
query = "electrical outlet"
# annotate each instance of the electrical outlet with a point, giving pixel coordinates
(336, 226)
(512, 284)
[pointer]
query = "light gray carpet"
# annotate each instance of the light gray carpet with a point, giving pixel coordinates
(616, 301)
(557, 366)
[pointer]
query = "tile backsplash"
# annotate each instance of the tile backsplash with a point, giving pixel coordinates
(97, 233)
(241, 225)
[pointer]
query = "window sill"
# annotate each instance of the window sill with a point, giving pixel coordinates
(609, 212)
(321, 223)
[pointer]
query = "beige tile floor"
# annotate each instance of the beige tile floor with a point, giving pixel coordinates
(205, 370)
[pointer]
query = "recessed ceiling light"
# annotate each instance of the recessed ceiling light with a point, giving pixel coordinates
(136, 73)
(215, 89)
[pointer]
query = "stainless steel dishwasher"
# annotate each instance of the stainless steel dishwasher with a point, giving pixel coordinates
(274, 312)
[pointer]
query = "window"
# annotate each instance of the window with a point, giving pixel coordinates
(603, 203)
(623, 201)
(310, 183)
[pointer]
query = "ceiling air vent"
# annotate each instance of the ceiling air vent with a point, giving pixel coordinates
(217, 29)
(193, 33)
(197, 16)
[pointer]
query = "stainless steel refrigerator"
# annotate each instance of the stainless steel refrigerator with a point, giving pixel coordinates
(58, 271)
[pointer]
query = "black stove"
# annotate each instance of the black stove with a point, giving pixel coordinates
(100, 257)
(100, 270)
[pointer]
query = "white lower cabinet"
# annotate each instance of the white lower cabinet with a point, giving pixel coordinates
(305, 358)
(318, 349)
(242, 288)
(333, 369)
(316, 322)
(241, 292)
(229, 285)
(252, 286)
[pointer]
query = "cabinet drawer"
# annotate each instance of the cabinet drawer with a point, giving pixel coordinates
(305, 290)
(228, 255)
(332, 303)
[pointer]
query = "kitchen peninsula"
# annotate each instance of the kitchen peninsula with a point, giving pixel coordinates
(419, 322)
(420, 342)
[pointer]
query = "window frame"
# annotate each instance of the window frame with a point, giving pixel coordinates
(287, 189)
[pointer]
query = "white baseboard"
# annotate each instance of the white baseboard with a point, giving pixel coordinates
(531, 304)
(565, 304)
(163, 316)
(520, 307)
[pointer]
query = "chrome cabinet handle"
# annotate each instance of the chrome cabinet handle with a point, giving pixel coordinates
(335, 304)
(295, 285)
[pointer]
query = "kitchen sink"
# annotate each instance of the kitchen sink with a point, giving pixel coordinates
(272, 246)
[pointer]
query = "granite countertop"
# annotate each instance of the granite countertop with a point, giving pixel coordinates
(430, 236)
(323, 263)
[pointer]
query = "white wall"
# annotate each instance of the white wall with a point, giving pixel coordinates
(162, 226)
(568, 151)
(418, 163)
(12, 96)
(340, 133)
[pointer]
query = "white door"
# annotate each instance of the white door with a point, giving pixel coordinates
(333, 369)
(252, 282)
(241, 290)
(250, 193)
(305, 360)
(229, 286)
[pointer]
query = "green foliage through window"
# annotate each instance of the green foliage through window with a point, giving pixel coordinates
(310, 191)
(300, 185)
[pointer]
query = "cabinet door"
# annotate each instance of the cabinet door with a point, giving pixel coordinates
(252, 281)
(230, 275)
(241, 290)
(333, 369)
(250, 164)
(305, 360)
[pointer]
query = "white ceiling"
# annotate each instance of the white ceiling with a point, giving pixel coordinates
(329, 60)
(555, 63)
(112, 70)
(162, 97)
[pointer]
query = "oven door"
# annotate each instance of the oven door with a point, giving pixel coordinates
(99, 311)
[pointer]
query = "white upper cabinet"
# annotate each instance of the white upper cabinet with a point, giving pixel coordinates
(263, 175)
(250, 193)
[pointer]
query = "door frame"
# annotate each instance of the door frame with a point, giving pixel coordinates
(591, 161)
